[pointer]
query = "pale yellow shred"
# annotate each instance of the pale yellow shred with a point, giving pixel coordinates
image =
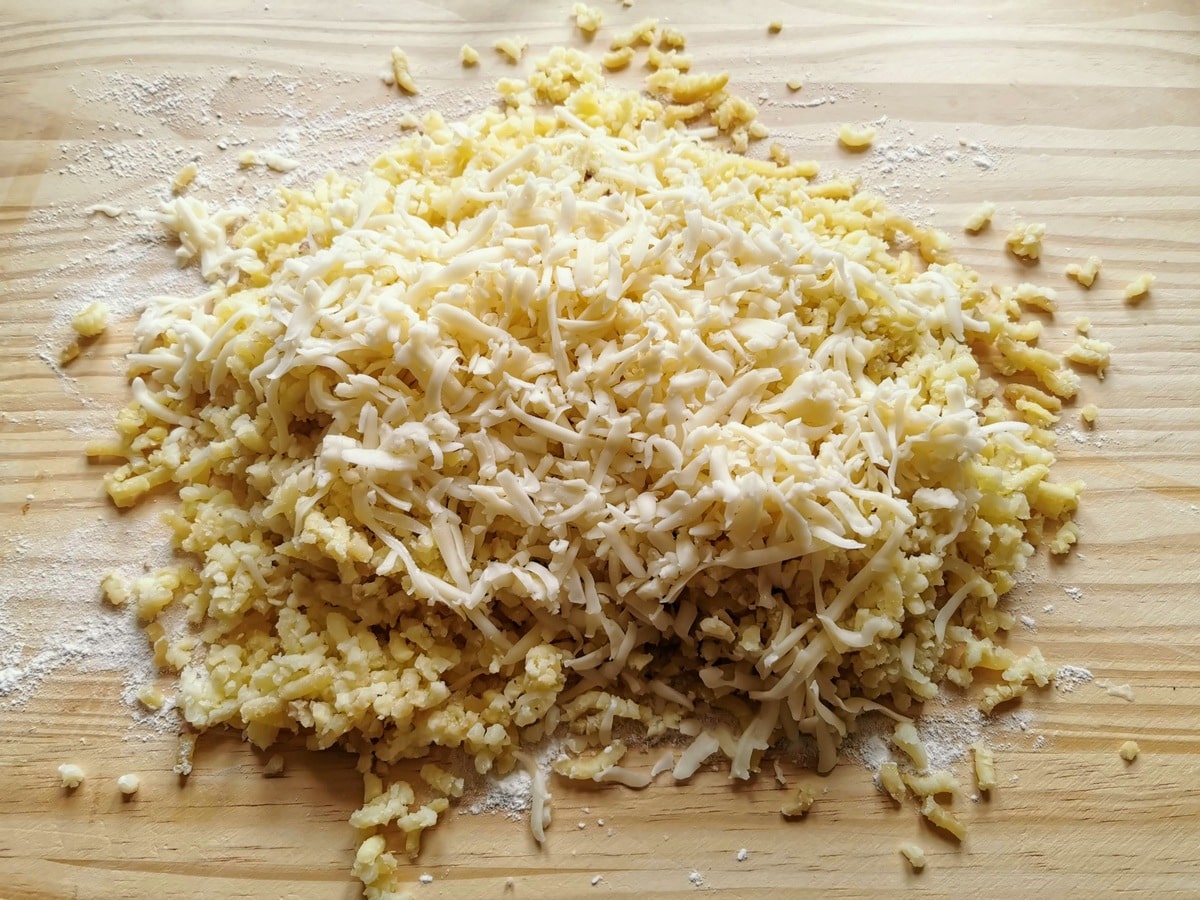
(1138, 288)
(856, 137)
(183, 178)
(1064, 538)
(985, 767)
(588, 19)
(799, 804)
(1089, 414)
(511, 48)
(92, 320)
(1129, 751)
(980, 218)
(1025, 240)
(1087, 351)
(468, 55)
(943, 818)
(915, 856)
(891, 781)
(401, 76)
(1085, 273)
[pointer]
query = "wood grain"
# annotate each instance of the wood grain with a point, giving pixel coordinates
(1092, 110)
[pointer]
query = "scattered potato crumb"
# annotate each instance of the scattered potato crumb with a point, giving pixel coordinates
(980, 218)
(183, 178)
(69, 352)
(774, 26)
(1034, 297)
(856, 137)
(890, 781)
(915, 856)
(1139, 287)
(91, 321)
(273, 768)
(1086, 272)
(1129, 751)
(468, 55)
(247, 158)
(401, 76)
(1090, 352)
(1025, 240)
(105, 209)
(1083, 325)
(1089, 414)
(937, 782)
(617, 59)
(588, 19)
(511, 48)
(799, 805)
(906, 738)
(641, 33)
(151, 697)
(794, 84)
(778, 155)
(672, 39)
(985, 767)
(129, 784)
(277, 162)
(1065, 538)
(943, 818)
(72, 775)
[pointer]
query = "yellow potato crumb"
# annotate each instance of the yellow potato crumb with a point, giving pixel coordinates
(666, 59)
(985, 767)
(247, 159)
(1065, 538)
(774, 26)
(1089, 414)
(1129, 751)
(640, 34)
(794, 84)
(401, 76)
(915, 856)
(1090, 352)
(891, 781)
(128, 784)
(906, 738)
(778, 155)
(943, 818)
(183, 178)
(980, 218)
(615, 60)
(114, 588)
(1034, 297)
(468, 55)
(1083, 325)
(91, 321)
(70, 352)
(588, 19)
(800, 803)
(672, 39)
(1139, 287)
(151, 697)
(511, 48)
(856, 137)
(937, 782)
(72, 776)
(1085, 273)
(1025, 240)
(273, 768)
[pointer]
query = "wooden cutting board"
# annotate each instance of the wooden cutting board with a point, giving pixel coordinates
(1084, 114)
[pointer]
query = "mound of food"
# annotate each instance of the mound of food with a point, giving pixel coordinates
(563, 418)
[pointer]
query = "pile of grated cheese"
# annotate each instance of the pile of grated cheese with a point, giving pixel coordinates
(561, 418)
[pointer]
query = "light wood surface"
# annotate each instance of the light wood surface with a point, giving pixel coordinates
(1091, 112)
